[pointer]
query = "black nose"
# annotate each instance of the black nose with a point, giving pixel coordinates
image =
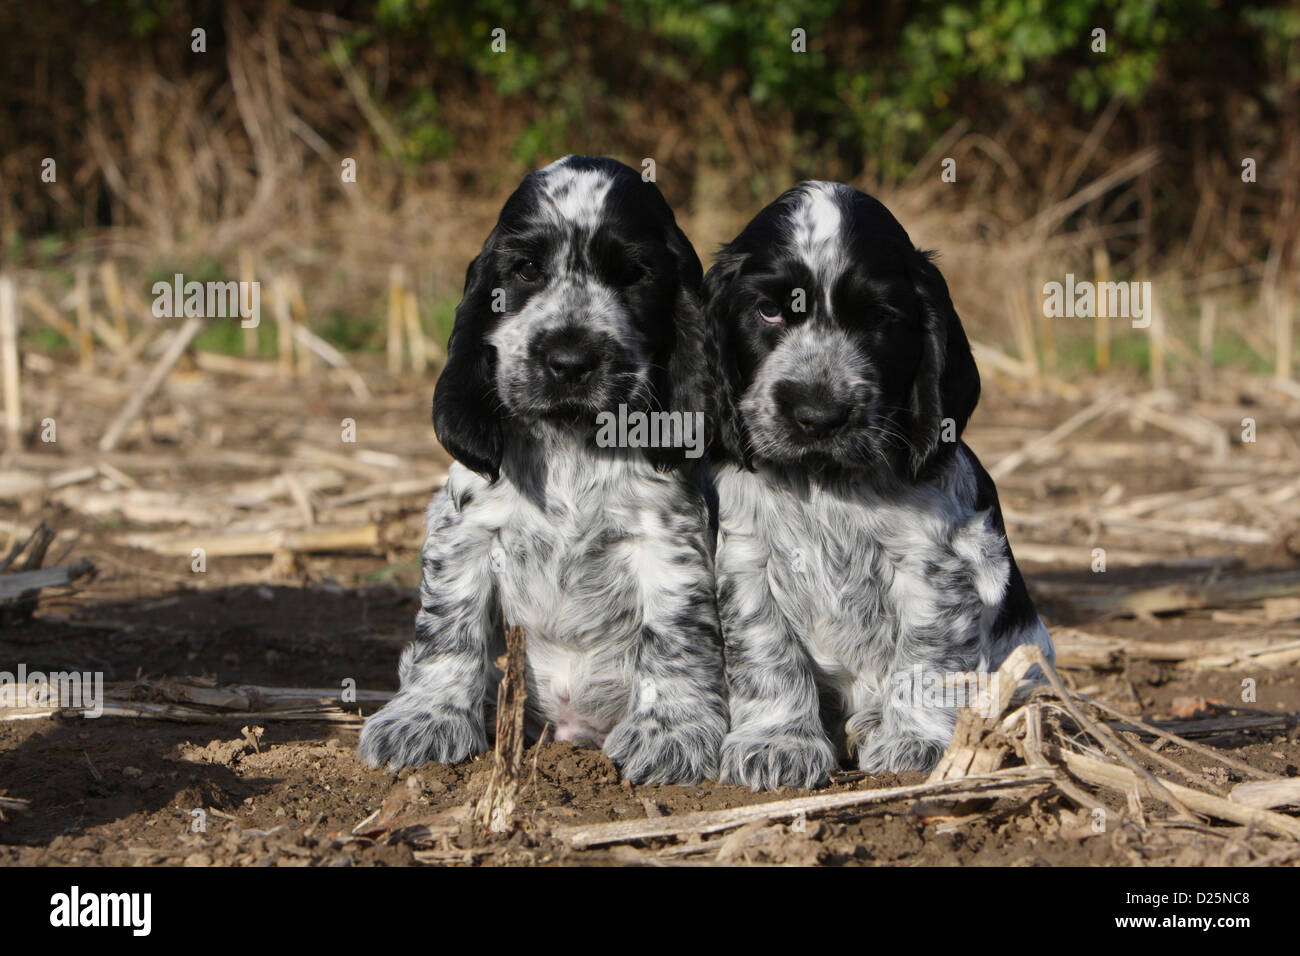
(820, 419)
(571, 363)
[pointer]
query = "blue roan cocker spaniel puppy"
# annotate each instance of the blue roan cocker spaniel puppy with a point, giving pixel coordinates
(861, 555)
(585, 298)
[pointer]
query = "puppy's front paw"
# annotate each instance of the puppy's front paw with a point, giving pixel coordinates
(900, 752)
(763, 762)
(648, 751)
(407, 732)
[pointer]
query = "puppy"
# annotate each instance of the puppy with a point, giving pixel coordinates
(584, 298)
(861, 554)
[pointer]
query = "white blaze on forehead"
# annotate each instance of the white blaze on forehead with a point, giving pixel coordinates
(576, 195)
(816, 227)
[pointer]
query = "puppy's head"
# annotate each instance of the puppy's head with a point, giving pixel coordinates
(584, 297)
(837, 341)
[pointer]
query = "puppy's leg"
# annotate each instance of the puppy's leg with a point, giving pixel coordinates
(438, 714)
(777, 737)
(918, 705)
(677, 717)
(908, 735)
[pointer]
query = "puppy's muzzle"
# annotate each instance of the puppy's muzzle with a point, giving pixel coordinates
(570, 363)
(811, 412)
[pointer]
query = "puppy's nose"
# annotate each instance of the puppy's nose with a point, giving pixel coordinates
(571, 363)
(820, 419)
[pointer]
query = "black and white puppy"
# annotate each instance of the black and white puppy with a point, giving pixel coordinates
(586, 296)
(861, 555)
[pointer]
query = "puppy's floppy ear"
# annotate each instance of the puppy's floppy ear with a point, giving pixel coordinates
(724, 381)
(466, 409)
(687, 386)
(947, 384)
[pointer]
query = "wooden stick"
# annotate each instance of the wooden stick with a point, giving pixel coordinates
(497, 805)
(1108, 402)
(28, 582)
(1101, 322)
(135, 404)
(1103, 774)
(1281, 308)
(1222, 590)
(1024, 329)
(389, 489)
(1101, 733)
(396, 310)
(1081, 555)
(298, 304)
(188, 702)
(1268, 794)
(414, 334)
(1081, 649)
(1157, 344)
(133, 350)
(1189, 528)
(113, 296)
(712, 821)
(970, 752)
(85, 337)
(234, 365)
(247, 276)
(1201, 749)
(49, 314)
(1205, 342)
(34, 543)
(283, 326)
(319, 539)
(332, 357)
(9, 362)
(1047, 335)
(1189, 426)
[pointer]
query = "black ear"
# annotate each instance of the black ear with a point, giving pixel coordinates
(686, 386)
(724, 382)
(466, 410)
(947, 384)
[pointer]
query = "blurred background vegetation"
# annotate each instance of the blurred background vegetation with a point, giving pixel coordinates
(1122, 164)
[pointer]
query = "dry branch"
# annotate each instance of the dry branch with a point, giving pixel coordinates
(26, 583)
(9, 361)
(497, 805)
(1101, 773)
(313, 540)
(175, 349)
(1107, 403)
(1267, 794)
(1075, 648)
(332, 357)
(190, 701)
(712, 821)
(1218, 590)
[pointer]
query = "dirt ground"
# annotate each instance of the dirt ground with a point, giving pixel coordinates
(133, 792)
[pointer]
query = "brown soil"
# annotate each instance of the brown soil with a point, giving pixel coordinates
(125, 792)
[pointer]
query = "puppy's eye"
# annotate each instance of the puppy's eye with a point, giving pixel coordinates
(619, 268)
(528, 271)
(770, 312)
(629, 273)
